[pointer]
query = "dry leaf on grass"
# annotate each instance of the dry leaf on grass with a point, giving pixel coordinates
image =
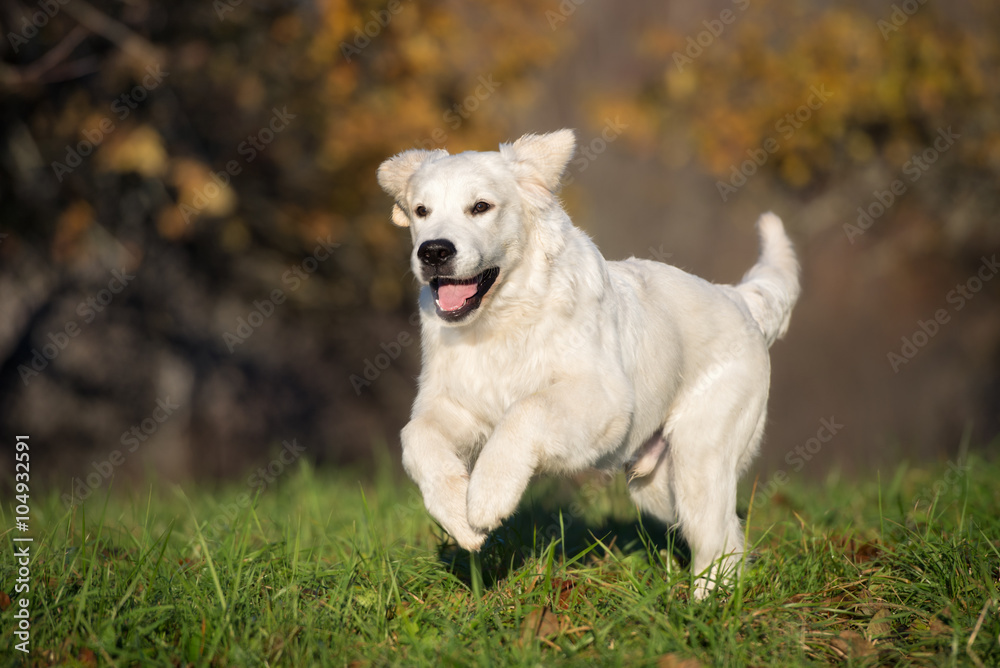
(565, 587)
(87, 657)
(677, 661)
(851, 644)
(938, 628)
(540, 623)
(879, 626)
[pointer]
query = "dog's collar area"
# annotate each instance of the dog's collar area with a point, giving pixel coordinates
(456, 298)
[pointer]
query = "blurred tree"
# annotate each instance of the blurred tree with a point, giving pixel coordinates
(190, 187)
(839, 94)
(217, 151)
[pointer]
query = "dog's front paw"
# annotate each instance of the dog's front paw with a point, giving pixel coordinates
(471, 540)
(488, 508)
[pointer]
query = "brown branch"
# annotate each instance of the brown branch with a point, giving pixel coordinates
(91, 20)
(73, 69)
(55, 55)
(100, 23)
(13, 77)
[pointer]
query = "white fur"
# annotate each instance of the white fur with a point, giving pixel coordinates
(572, 361)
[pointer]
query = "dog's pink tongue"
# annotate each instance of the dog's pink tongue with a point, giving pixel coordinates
(452, 296)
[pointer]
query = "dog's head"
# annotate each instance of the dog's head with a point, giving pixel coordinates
(470, 214)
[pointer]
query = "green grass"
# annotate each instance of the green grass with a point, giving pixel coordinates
(325, 570)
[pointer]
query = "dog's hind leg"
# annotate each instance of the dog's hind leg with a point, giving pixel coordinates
(710, 445)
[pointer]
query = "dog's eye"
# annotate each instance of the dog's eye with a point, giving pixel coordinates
(421, 211)
(481, 207)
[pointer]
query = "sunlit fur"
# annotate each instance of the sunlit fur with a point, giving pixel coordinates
(572, 361)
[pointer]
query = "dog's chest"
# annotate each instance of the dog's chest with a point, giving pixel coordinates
(489, 376)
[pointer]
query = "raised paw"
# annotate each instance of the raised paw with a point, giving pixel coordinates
(471, 540)
(488, 507)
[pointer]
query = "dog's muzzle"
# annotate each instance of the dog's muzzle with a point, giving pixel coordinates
(454, 298)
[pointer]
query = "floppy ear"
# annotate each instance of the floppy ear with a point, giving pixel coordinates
(394, 173)
(541, 158)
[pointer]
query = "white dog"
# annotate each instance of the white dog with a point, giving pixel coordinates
(541, 356)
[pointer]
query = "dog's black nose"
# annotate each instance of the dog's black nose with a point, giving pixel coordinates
(435, 252)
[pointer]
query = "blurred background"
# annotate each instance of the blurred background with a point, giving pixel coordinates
(198, 272)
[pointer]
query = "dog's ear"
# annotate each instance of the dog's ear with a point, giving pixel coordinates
(544, 157)
(394, 173)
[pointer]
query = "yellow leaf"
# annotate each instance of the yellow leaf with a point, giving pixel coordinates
(139, 150)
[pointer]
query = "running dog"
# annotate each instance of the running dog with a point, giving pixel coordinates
(540, 356)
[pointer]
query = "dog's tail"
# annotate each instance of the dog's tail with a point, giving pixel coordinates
(771, 287)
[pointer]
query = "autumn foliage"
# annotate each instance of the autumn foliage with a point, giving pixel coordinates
(209, 148)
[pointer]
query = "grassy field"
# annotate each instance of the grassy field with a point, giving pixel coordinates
(325, 569)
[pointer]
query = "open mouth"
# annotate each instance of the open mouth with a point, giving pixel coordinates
(457, 298)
